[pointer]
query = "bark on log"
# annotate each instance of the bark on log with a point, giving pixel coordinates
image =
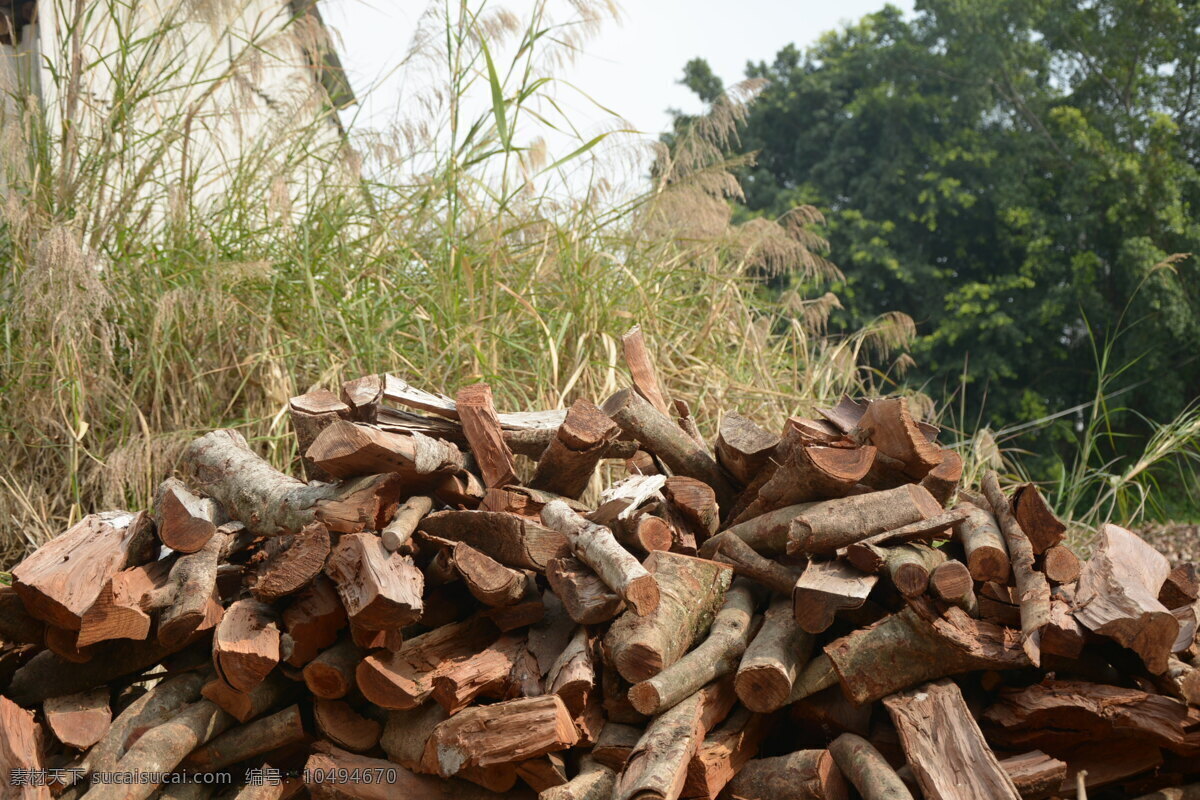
(397, 535)
(723, 753)
(348, 450)
(247, 741)
(246, 644)
(514, 730)
(1183, 681)
(184, 521)
(717, 656)
(345, 727)
(810, 473)
(313, 620)
(572, 676)
(984, 545)
(1035, 774)
(290, 562)
(1060, 564)
(512, 540)
(727, 548)
(311, 413)
(1117, 596)
(773, 660)
(867, 769)
(743, 448)
(331, 674)
(543, 773)
(594, 781)
(20, 749)
(381, 591)
(1037, 520)
(190, 587)
(952, 583)
(889, 426)
(616, 742)
(491, 583)
(1033, 589)
(481, 426)
(768, 534)
(595, 546)
(944, 746)
(802, 775)
(586, 598)
(79, 720)
(328, 760)
(825, 588)
(825, 527)
(692, 590)
(569, 461)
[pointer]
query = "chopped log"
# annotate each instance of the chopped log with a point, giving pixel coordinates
(1060, 564)
(345, 727)
(1032, 587)
(944, 746)
(572, 676)
(404, 678)
(549, 637)
(245, 706)
(290, 562)
(347, 450)
(768, 534)
(595, 546)
(1182, 586)
(397, 535)
(567, 465)
(909, 566)
(724, 752)
(514, 730)
(519, 615)
(20, 749)
(246, 644)
(406, 733)
(1117, 596)
(867, 769)
(313, 620)
(773, 660)
(481, 426)
(119, 611)
(543, 773)
(616, 742)
(369, 639)
(889, 426)
(644, 532)
(695, 501)
(717, 656)
(802, 775)
(311, 413)
(512, 540)
(1035, 774)
(79, 720)
(594, 781)
(615, 693)
(331, 674)
(692, 590)
(18, 626)
(727, 548)
(942, 481)
(984, 545)
(586, 598)
(380, 591)
(656, 768)
(1063, 635)
(63, 578)
(743, 448)
(641, 369)
(1036, 519)
(658, 433)
(486, 673)
(492, 583)
(363, 396)
(825, 588)
(641, 464)
(184, 521)
(810, 473)
(952, 583)
(824, 527)
(814, 431)
(247, 741)
(191, 584)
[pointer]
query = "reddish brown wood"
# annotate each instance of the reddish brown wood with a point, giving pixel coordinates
(338, 722)
(248, 741)
(768, 534)
(572, 676)
(363, 396)
(810, 473)
(245, 706)
(802, 775)
(482, 429)
(79, 720)
(331, 673)
(406, 733)
(184, 521)
(566, 466)
(1063, 635)
(1035, 518)
(942, 481)
(723, 753)
(119, 611)
(20, 749)
(1060, 564)
(641, 369)
(510, 539)
(585, 597)
(728, 548)
(594, 781)
(492, 583)
(743, 448)
(888, 424)
(1182, 586)
(313, 620)
(1035, 774)
(493, 672)
(867, 769)
(695, 501)
(397, 536)
(952, 583)
(311, 413)
(986, 550)
(190, 587)
(290, 562)
(773, 660)
(17, 625)
(514, 730)
(246, 644)
(823, 528)
(381, 591)
(404, 678)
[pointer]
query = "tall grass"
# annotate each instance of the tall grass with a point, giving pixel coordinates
(140, 305)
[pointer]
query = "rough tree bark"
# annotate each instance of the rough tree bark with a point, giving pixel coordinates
(802, 775)
(867, 769)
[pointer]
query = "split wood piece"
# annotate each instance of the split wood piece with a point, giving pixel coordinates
(889, 426)
(656, 768)
(1096, 764)
(311, 413)
(514, 730)
(118, 612)
(717, 656)
(942, 481)
(520, 615)
(594, 781)
(743, 448)
(406, 732)
(810, 473)
(768, 534)
(1117, 596)
(290, 562)
(825, 588)
(397, 535)
(643, 531)
(79, 720)
(488, 673)
(345, 727)
(695, 501)
(1187, 617)
(952, 582)
(17, 625)
(1063, 635)
(641, 369)
(329, 760)
(363, 396)
(823, 528)
(244, 742)
(246, 644)
(404, 678)
(191, 584)
(846, 415)
(724, 752)
(492, 583)
(161, 749)
(399, 391)
(642, 464)
(623, 499)
(596, 546)
(1182, 586)
(868, 554)
(380, 590)
(20, 750)
(1035, 774)
(659, 434)
(944, 746)
(269, 503)
(62, 579)
(586, 598)
(481, 426)
(773, 660)
(1032, 587)
(525, 501)
(615, 693)
(867, 769)
(885, 473)
(814, 431)
(512, 540)
(567, 465)
(314, 620)
(1060, 564)
(1036, 519)
(983, 544)
(347, 450)
(184, 521)
(331, 674)
(802, 775)
(692, 590)
(573, 674)
(1183, 681)
(909, 566)
(727, 548)
(533, 443)
(245, 706)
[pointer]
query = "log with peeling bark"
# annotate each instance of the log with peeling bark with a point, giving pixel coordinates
(348, 450)
(594, 781)
(569, 461)
(743, 448)
(802, 775)
(823, 528)
(331, 673)
(768, 534)
(191, 583)
(867, 769)
(825, 588)
(641, 369)
(889, 426)
(397, 535)
(723, 753)
(184, 521)
(773, 660)
(808, 474)
(492, 672)
(514, 730)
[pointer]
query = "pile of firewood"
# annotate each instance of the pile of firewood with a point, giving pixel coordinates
(436, 613)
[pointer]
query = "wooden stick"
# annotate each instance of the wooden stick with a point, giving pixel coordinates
(568, 462)
(490, 673)
(909, 566)
(247, 741)
(824, 527)
(825, 588)
(727, 548)
(1037, 520)
(331, 674)
(403, 678)
(510, 539)
(984, 545)
(381, 591)
(802, 775)
(397, 535)
(290, 562)
(773, 660)
(515, 730)
(723, 753)
(482, 429)
(1032, 585)
(184, 521)
(768, 534)
(79, 720)
(867, 769)
(347, 450)
(715, 657)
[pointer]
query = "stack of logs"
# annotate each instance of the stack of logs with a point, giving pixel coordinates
(825, 613)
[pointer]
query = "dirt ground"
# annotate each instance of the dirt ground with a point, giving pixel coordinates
(1177, 541)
